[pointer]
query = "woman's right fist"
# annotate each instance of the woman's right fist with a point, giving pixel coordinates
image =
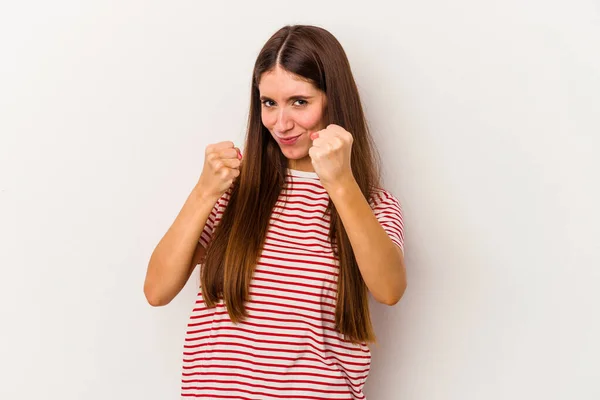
(221, 167)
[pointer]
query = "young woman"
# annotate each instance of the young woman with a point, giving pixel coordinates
(291, 238)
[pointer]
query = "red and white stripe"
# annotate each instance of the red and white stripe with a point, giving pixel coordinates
(288, 347)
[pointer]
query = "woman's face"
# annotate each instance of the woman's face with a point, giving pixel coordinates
(292, 109)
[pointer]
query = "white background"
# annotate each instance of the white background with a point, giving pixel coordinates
(487, 115)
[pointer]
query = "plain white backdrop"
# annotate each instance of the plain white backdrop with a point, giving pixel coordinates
(487, 116)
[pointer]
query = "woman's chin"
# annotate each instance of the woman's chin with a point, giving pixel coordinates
(294, 154)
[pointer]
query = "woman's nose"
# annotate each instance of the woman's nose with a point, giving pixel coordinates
(284, 122)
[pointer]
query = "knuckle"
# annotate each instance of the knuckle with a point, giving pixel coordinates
(211, 156)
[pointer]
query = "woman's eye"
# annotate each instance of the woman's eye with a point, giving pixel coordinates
(271, 103)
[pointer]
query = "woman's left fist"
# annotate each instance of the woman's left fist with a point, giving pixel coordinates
(330, 154)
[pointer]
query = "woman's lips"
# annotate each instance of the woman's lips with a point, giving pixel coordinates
(288, 141)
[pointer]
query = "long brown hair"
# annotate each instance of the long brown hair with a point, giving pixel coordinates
(315, 54)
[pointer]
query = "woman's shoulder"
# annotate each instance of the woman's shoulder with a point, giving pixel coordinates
(380, 196)
(388, 211)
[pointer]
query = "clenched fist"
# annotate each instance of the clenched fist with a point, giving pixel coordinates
(221, 167)
(330, 155)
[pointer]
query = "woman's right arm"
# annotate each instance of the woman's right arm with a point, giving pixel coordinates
(179, 251)
(171, 263)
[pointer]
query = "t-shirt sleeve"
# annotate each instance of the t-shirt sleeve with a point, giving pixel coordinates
(388, 211)
(214, 218)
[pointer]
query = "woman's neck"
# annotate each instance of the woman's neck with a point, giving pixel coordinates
(303, 164)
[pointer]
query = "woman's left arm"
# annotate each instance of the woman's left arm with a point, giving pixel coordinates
(380, 260)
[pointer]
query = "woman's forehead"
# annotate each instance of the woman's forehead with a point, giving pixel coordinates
(284, 83)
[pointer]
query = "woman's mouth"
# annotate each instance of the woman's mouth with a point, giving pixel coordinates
(289, 141)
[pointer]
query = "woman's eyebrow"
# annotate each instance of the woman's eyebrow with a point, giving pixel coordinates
(295, 97)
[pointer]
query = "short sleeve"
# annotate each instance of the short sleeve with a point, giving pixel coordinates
(388, 211)
(214, 218)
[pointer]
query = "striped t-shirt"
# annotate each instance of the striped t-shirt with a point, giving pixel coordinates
(287, 347)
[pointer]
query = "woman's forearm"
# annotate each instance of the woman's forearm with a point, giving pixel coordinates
(379, 259)
(170, 265)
